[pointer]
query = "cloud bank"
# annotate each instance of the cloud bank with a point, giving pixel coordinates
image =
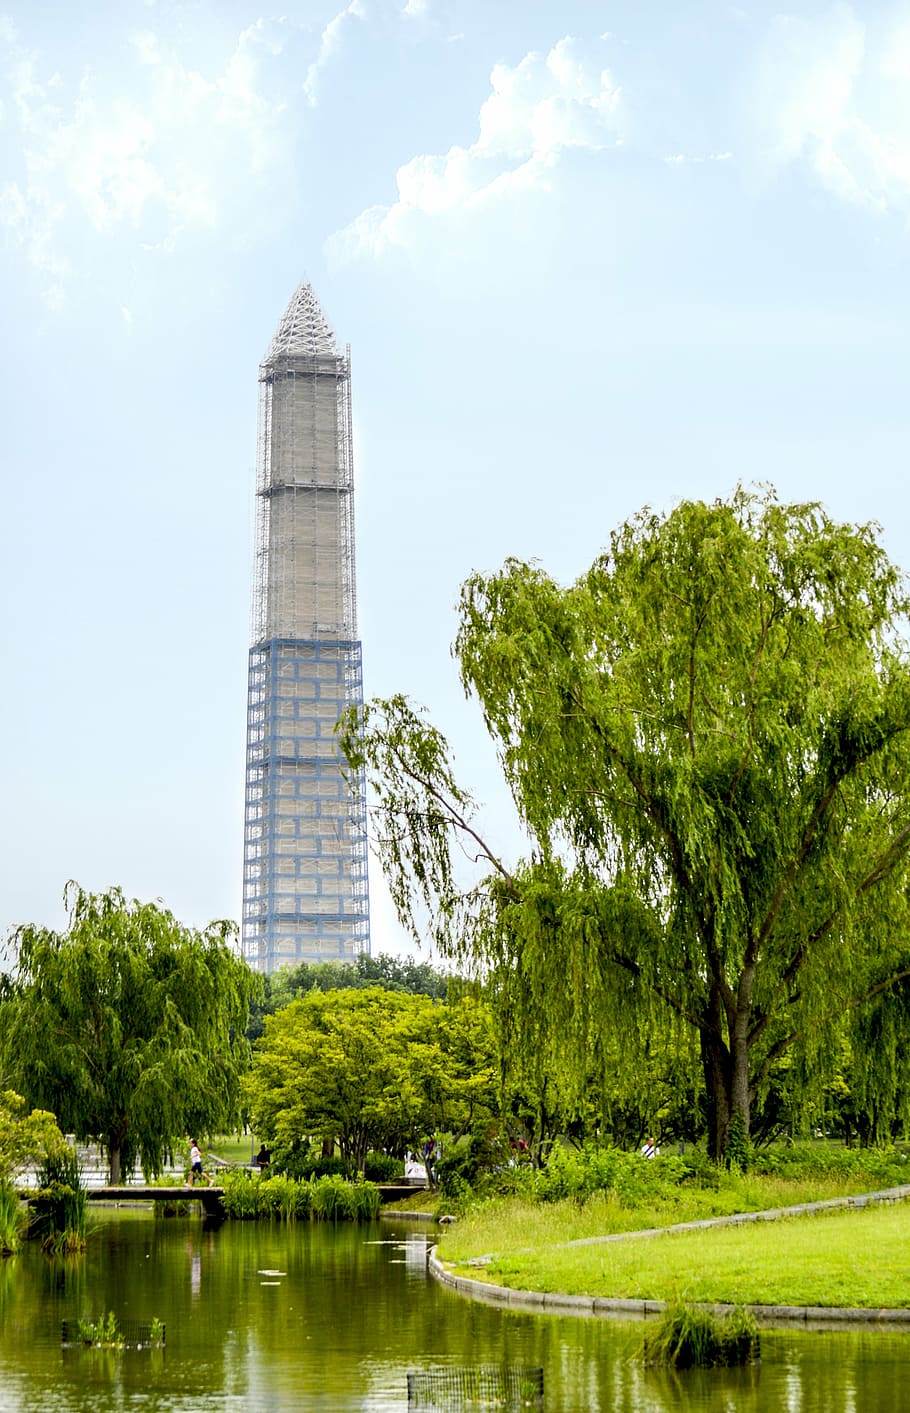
(164, 150)
(545, 106)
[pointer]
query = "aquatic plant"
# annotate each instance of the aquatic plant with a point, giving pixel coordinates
(59, 1210)
(690, 1336)
(12, 1218)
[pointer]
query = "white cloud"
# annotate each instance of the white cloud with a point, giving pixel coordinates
(161, 150)
(546, 105)
(833, 95)
(329, 46)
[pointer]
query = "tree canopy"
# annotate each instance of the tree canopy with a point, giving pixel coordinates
(371, 1069)
(391, 973)
(706, 739)
(128, 1026)
(25, 1137)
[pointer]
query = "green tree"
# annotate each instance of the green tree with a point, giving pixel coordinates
(25, 1137)
(391, 973)
(129, 1026)
(706, 738)
(371, 1069)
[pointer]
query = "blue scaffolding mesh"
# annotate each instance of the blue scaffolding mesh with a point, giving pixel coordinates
(305, 889)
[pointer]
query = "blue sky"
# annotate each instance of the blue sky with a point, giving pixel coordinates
(588, 256)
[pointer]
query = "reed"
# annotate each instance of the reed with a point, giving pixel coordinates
(688, 1337)
(13, 1219)
(59, 1217)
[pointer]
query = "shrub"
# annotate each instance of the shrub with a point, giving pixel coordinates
(382, 1167)
(302, 1161)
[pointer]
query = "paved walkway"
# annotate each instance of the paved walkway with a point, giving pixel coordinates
(588, 1305)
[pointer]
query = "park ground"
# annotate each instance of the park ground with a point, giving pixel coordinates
(857, 1257)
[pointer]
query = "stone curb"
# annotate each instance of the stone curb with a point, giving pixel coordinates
(772, 1214)
(406, 1216)
(552, 1302)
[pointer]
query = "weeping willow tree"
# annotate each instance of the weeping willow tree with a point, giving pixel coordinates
(128, 1026)
(706, 739)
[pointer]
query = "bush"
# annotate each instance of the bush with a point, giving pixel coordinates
(303, 1161)
(887, 1167)
(578, 1173)
(382, 1167)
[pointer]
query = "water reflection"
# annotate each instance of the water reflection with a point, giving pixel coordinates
(313, 1317)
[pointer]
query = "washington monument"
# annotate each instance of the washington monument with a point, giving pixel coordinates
(305, 892)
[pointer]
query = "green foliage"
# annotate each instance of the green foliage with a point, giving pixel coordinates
(382, 1167)
(706, 739)
(59, 1218)
(390, 973)
(302, 1159)
(103, 1332)
(129, 1026)
(25, 1137)
(372, 1069)
(249, 1197)
(106, 1332)
(241, 1196)
(689, 1336)
(737, 1149)
(579, 1173)
(878, 1167)
(13, 1218)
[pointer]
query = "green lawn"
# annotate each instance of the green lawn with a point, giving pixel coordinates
(232, 1147)
(853, 1258)
(508, 1225)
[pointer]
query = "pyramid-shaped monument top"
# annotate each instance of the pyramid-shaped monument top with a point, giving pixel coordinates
(304, 330)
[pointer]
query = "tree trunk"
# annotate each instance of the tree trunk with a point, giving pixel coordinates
(726, 1087)
(114, 1156)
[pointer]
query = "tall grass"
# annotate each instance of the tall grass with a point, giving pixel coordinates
(13, 1218)
(59, 1211)
(249, 1197)
(687, 1337)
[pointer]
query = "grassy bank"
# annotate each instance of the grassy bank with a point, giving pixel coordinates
(853, 1258)
(856, 1258)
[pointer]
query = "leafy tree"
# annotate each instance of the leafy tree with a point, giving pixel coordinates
(372, 1069)
(391, 973)
(129, 1026)
(25, 1137)
(706, 738)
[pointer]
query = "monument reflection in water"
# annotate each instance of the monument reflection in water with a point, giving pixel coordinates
(271, 1317)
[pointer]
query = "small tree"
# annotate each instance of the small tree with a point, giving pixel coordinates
(25, 1137)
(372, 1069)
(129, 1026)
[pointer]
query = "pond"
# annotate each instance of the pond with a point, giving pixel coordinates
(316, 1317)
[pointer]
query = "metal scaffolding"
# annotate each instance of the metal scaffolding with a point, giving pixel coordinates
(305, 891)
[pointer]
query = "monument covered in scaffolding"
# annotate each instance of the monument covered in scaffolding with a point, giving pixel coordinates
(305, 891)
